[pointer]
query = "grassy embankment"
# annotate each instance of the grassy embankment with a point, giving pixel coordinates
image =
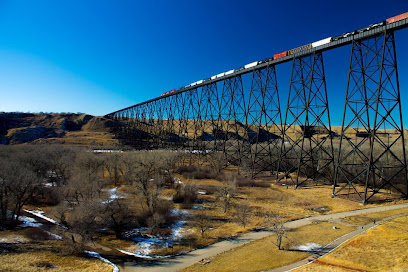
(263, 254)
(383, 248)
(38, 255)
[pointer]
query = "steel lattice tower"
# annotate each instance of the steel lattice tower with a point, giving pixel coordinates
(209, 111)
(307, 146)
(372, 148)
(263, 121)
(232, 119)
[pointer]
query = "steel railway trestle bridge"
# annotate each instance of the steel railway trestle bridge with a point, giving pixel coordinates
(366, 156)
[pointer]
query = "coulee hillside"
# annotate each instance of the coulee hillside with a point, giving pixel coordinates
(57, 128)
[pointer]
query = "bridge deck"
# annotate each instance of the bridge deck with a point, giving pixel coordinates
(334, 44)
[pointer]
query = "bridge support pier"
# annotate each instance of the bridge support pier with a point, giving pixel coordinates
(263, 121)
(231, 120)
(307, 144)
(371, 156)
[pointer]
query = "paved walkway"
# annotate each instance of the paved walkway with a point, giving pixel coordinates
(183, 261)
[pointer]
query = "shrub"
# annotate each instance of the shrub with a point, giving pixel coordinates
(186, 193)
(185, 169)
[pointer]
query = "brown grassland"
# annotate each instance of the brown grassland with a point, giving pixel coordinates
(383, 248)
(369, 218)
(385, 240)
(263, 254)
(29, 255)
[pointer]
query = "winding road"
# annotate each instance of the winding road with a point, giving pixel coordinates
(188, 259)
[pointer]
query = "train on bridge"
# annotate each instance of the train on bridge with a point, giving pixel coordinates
(295, 51)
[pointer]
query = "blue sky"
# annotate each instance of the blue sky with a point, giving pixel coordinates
(100, 56)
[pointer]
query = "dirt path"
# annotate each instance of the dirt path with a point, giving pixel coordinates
(183, 261)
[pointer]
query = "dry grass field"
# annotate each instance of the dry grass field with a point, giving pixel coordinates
(263, 254)
(38, 255)
(270, 198)
(383, 248)
(93, 139)
(369, 218)
(46, 261)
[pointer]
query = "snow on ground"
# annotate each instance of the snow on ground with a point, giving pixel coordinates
(135, 254)
(112, 195)
(143, 256)
(28, 222)
(178, 212)
(41, 215)
(31, 222)
(177, 230)
(177, 181)
(96, 255)
(53, 235)
(309, 247)
(146, 243)
(107, 151)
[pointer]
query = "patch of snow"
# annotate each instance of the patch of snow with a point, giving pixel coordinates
(177, 230)
(195, 207)
(178, 181)
(41, 215)
(135, 254)
(309, 247)
(107, 151)
(29, 222)
(201, 193)
(53, 235)
(143, 256)
(50, 184)
(145, 244)
(112, 195)
(178, 212)
(96, 255)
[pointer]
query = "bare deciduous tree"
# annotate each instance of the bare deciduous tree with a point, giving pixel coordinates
(278, 227)
(118, 215)
(243, 213)
(83, 221)
(202, 222)
(155, 220)
(226, 193)
(113, 164)
(218, 161)
(18, 183)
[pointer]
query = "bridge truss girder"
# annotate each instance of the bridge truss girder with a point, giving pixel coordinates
(217, 117)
